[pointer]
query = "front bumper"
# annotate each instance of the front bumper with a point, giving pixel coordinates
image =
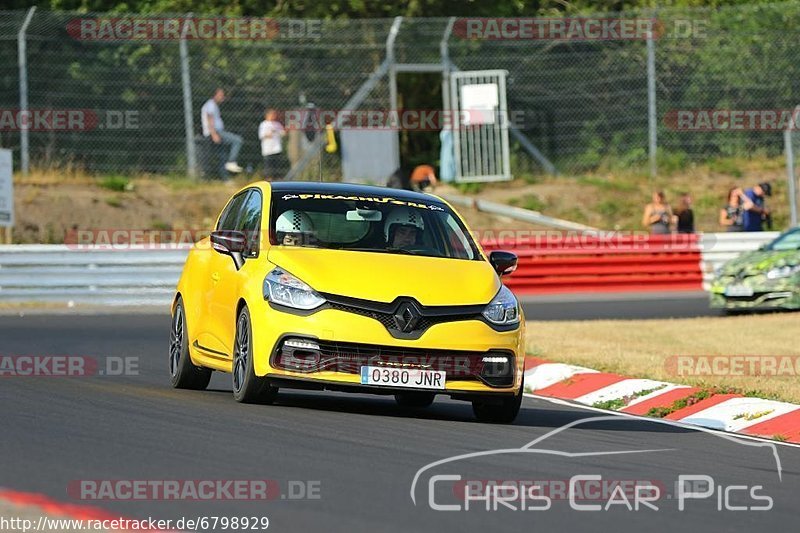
(467, 340)
(316, 383)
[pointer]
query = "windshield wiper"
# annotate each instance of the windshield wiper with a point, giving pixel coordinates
(381, 250)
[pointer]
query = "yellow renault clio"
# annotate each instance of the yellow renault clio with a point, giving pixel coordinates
(348, 288)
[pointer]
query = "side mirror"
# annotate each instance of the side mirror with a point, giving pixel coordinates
(232, 243)
(504, 263)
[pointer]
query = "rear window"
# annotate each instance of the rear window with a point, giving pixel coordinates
(379, 224)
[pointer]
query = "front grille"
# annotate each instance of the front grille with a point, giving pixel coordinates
(350, 357)
(387, 318)
(385, 313)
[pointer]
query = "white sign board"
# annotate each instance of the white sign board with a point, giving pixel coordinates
(6, 189)
(479, 103)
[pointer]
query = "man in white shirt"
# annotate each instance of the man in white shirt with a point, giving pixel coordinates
(270, 132)
(214, 127)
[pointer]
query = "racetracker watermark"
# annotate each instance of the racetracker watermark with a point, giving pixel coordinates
(58, 524)
(68, 120)
(121, 239)
(67, 366)
(397, 119)
(623, 240)
(733, 365)
(578, 488)
(732, 119)
(190, 28)
(193, 489)
(577, 29)
(124, 239)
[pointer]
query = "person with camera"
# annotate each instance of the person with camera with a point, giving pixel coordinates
(731, 217)
(757, 215)
(658, 215)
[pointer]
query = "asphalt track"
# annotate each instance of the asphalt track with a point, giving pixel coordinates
(363, 450)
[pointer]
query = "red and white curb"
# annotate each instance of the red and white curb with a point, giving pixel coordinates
(727, 412)
(45, 514)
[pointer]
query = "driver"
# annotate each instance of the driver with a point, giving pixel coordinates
(294, 228)
(403, 228)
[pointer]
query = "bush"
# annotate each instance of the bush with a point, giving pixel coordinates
(116, 183)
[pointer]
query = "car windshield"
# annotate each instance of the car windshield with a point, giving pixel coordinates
(377, 223)
(786, 242)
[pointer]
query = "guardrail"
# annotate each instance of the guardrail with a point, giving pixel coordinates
(589, 262)
(60, 273)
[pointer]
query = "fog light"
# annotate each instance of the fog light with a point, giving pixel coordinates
(301, 355)
(495, 359)
(301, 344)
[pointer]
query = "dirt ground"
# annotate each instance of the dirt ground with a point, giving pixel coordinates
(50, 203)
(48, 207)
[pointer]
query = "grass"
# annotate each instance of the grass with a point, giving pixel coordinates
(618, 403)
(530, 202)
(115, 201)
(116, 183)
(643, 348)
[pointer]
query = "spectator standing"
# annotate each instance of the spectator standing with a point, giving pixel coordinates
(270, 133)
(731, 217)
(757, 214)
(214, 128)
(684, 216)
(657, 215)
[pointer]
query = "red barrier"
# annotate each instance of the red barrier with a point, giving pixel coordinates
(571, 262)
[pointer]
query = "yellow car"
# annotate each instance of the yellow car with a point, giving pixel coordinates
(351, 288)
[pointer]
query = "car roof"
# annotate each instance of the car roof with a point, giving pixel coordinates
(351, 189)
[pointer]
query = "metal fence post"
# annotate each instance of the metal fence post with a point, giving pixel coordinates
(22, 54)
(651, 103)
(188, 118)
(390, 58)
(790, 175)
(444, 53)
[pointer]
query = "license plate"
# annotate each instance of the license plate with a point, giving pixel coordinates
(738, 290)
(411, 378)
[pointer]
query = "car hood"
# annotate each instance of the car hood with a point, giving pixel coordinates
(383, 277)
(759, 262)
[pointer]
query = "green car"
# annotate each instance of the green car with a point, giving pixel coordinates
(768, 278)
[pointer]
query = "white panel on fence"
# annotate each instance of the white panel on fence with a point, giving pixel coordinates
(6, 189)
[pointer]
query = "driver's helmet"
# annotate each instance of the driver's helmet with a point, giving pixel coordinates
(296, 225)
(402, 216)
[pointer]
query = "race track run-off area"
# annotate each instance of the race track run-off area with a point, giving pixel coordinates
(335, 462)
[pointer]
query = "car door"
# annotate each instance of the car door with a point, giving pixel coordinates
(227, 281)
(207, 337)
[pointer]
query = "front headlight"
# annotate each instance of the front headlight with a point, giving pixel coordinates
(282, 288)
(783, 272)
(503, 309)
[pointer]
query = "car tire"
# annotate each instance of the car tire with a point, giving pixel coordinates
(182, 372)
(247, 387)
(498, 413)
(414, 400)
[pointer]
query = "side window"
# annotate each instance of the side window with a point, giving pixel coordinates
(230, 215)
(250, 221)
